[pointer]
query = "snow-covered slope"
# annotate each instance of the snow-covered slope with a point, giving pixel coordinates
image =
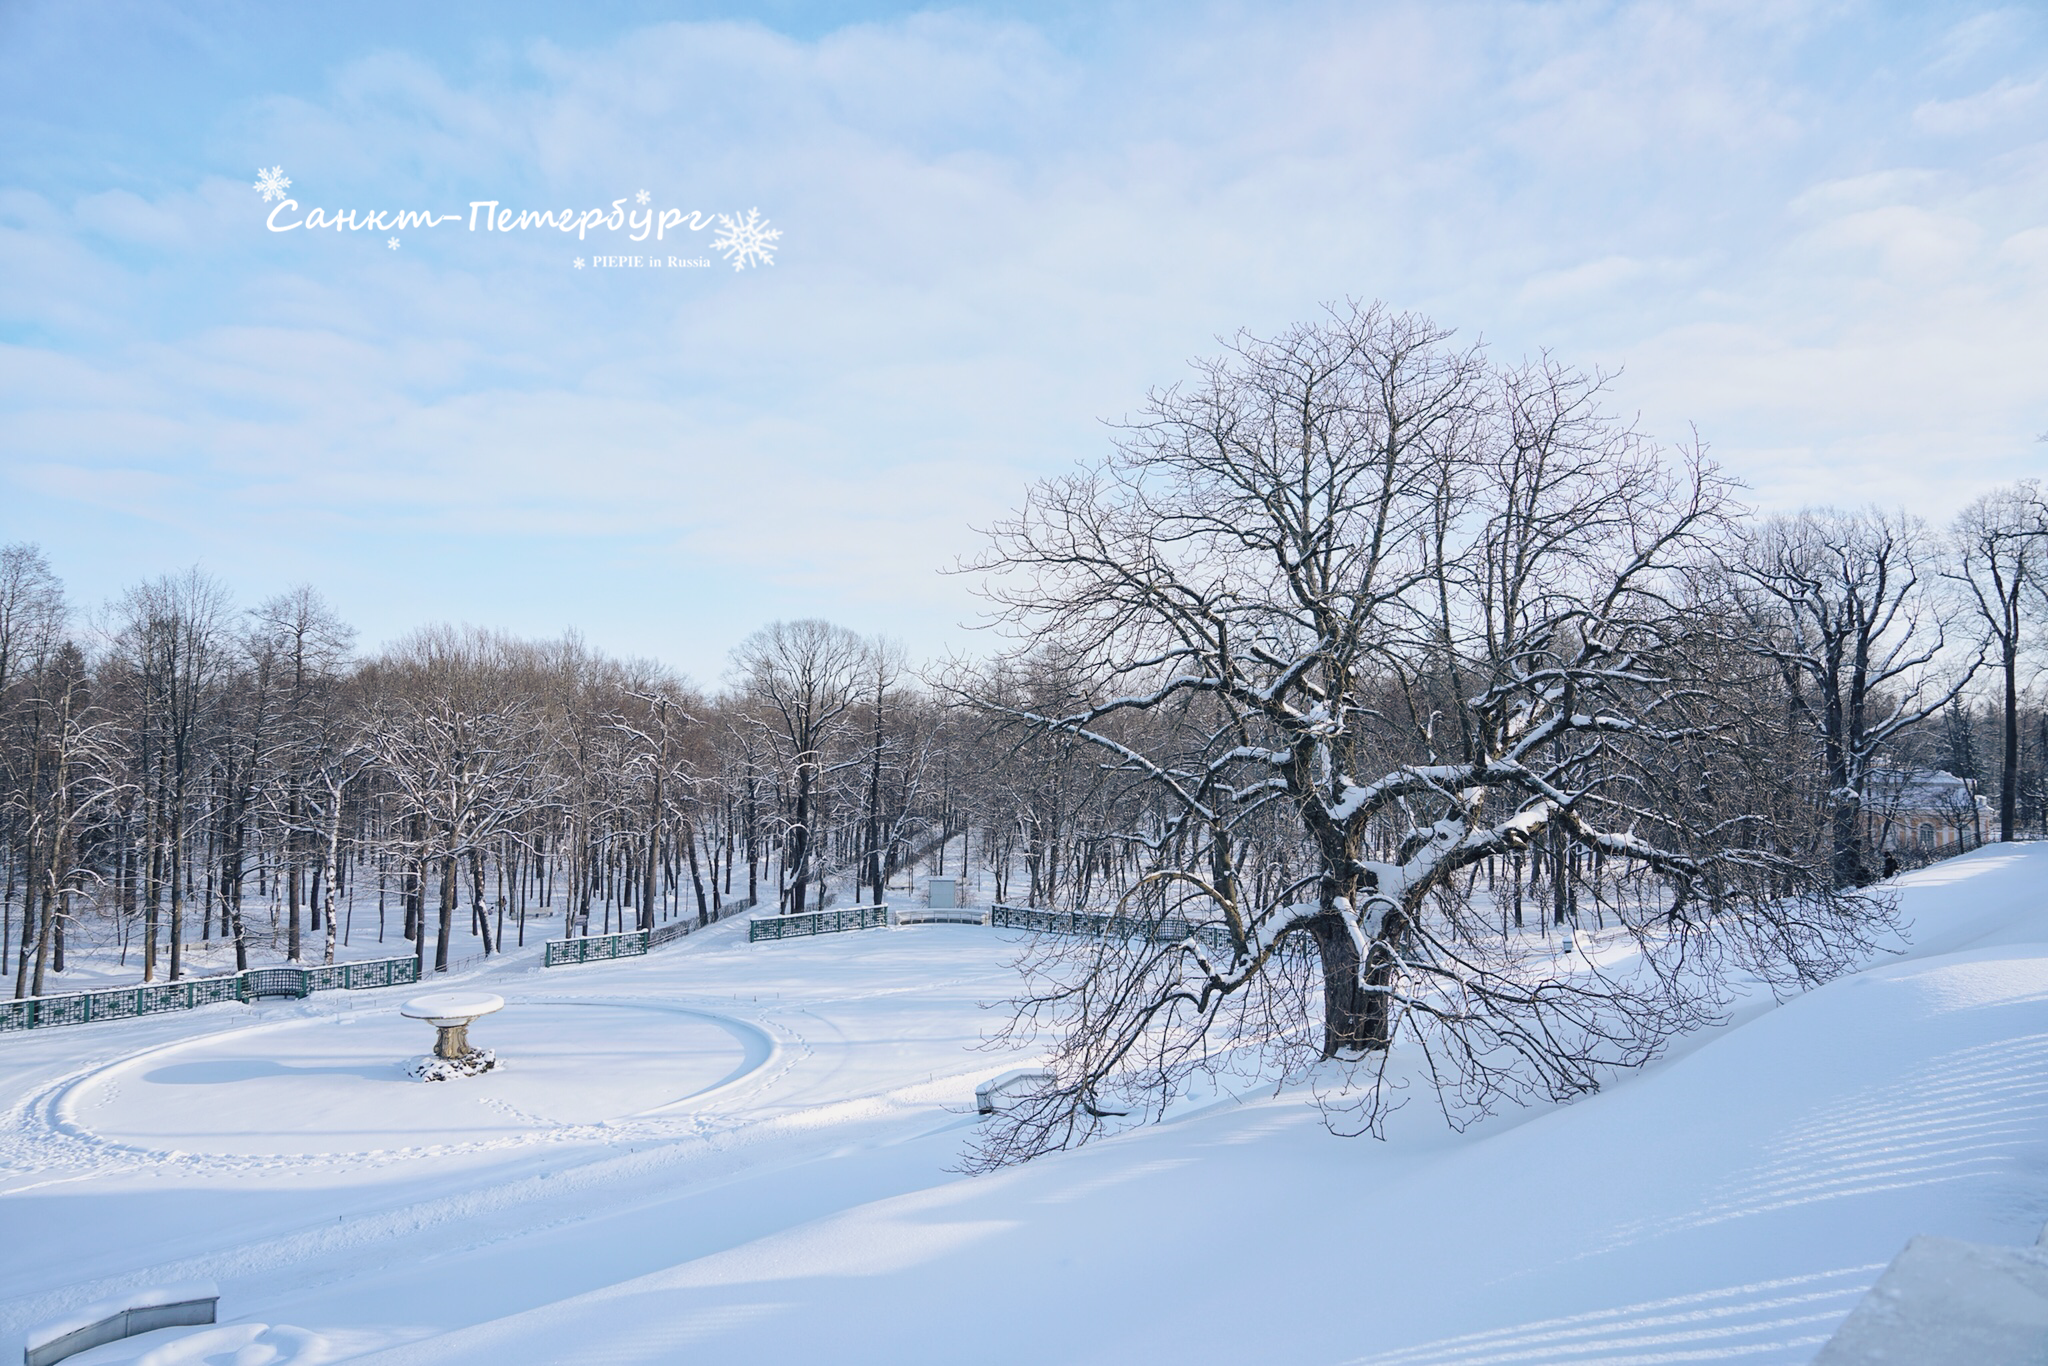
(765, 1176)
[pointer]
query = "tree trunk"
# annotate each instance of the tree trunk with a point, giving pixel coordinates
(711, 856)
(1354, 1019)
(7, 909)
(2009, 781)
(703, 908)
(800, 858)
(57, 930)
(28, 923)
(649, 874)
(174, 858)
(291, 896)
(875, 805)
(154, 888)
(206, 902)
(476, 883)
(586, 873)
(43, 938)
(52, 875)
(448, 893)
(332, 872)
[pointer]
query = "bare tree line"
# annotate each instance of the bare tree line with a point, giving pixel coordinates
(179, 772)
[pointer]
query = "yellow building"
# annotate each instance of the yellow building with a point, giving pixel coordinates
(1924, 809)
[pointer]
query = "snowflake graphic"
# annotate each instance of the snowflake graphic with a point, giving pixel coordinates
(393, 244)
(272, 184)
(642, 197)
(746, 241)
(579, 263)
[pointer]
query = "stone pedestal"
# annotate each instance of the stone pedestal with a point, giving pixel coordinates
(451, 1012)
(453, 1044)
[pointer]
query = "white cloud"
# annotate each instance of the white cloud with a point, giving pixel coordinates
(1989, 33)
(2007, 101)
(996, 235)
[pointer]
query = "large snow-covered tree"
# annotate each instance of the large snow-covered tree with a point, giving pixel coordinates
(1357, 616)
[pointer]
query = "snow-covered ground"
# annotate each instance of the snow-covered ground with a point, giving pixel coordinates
(736, 1153)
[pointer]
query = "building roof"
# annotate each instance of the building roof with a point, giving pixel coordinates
(1918, 789)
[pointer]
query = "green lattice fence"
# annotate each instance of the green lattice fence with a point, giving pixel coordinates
(599, 948)
(595, 948)
(380, 972)
(278, 982)
(127, 1003)
(817, 922)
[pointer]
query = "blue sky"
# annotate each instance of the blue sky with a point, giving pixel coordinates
(1818, 232)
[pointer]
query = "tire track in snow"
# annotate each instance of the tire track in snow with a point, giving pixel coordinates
(658, 1147)
(1964, 1115)
(1767, 1322)
(44, 1135)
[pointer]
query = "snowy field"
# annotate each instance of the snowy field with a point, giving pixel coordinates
(732, 1153)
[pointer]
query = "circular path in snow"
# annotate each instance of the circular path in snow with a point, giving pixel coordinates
(337, 1084)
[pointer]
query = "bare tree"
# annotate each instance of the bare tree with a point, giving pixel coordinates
(342, 761)
(1840, 603)
(307, 645)
(652, 729)
(466, 757)
(32, 611)
(1355, 616)
(880, 675)
(801, 677)
(2001, 546)
(32, 619)
(174, 631)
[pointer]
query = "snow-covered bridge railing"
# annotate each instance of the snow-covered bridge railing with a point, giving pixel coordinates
(676, 929)
(817, 922)
(940, 915)
(378, 972)
(1082, 924)
(1099, 925)
(602, 948)
(155, 998)
(1079, 924)
(596, 948)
